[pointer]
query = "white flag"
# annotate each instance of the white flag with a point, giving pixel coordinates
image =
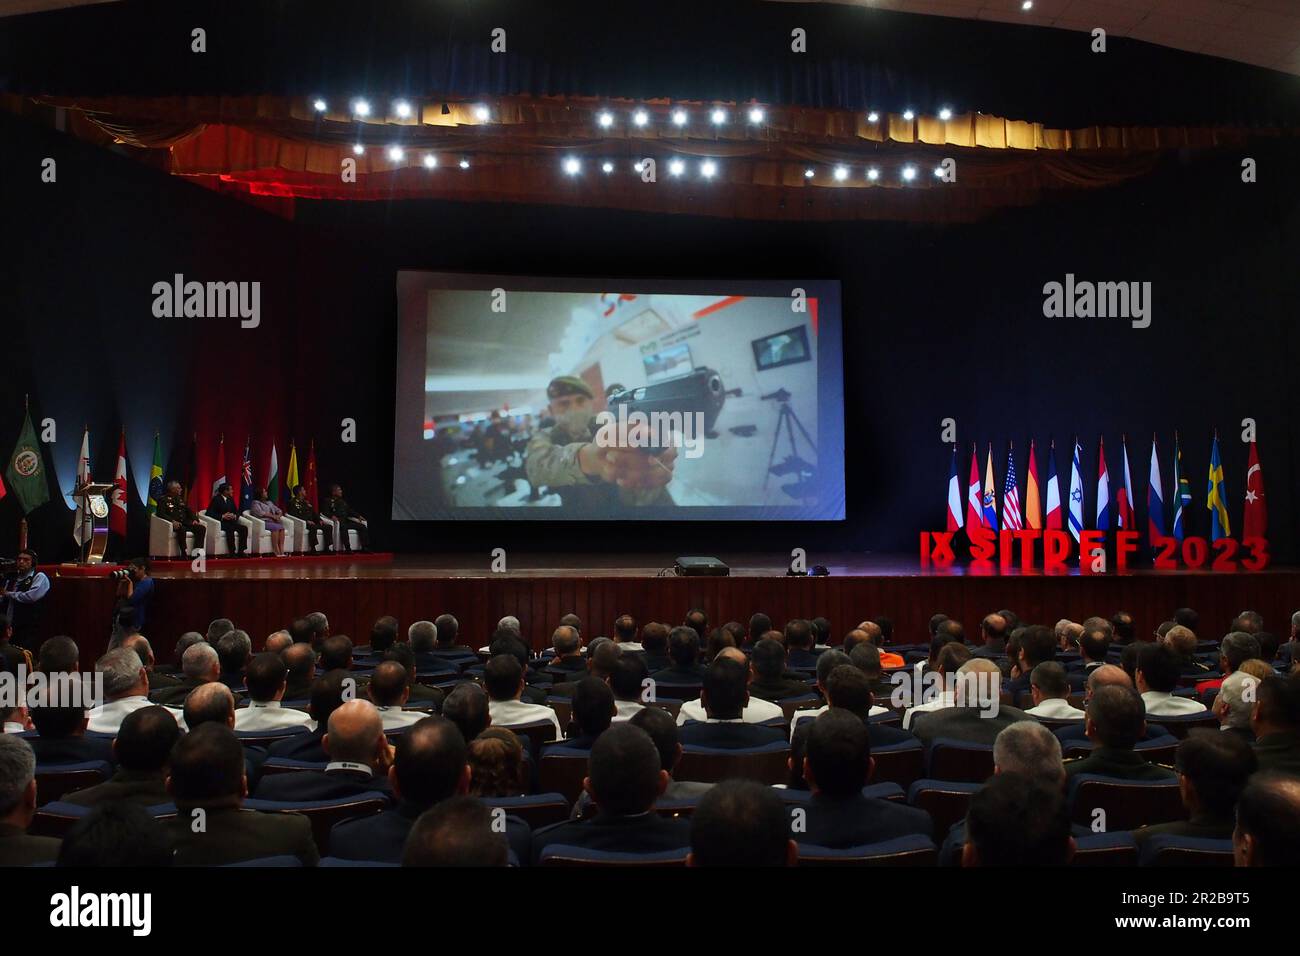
(83, 524)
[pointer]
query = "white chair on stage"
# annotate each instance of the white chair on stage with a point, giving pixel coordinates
(295, 530)
(162, 539)
(259, 538)
(354, 541)
(216, 539)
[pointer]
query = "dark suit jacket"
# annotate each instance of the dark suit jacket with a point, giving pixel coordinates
(780, 688)
(143, 787)
(159, 680)
(55, 750)
(646, 833)
(882, 735)
(432, 696)
(232, 835)
(955, 842)
(380, 838)
(965, 724)
(301, 747)
(1122, 764)
(1279, 752)
(220, 505)
(19, 849)
(801, 659)
(298, 689)
(1074, 733)
(1202, 825)
(855, 820)
(431, 662)
(305, 785)
(174, 696)
(996, 649)
(729, 736)
(656, 662)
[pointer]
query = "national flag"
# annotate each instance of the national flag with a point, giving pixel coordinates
(954, 495)
(1033, 508)
(1011, 518)
(1076, 492)
(81, 528)
(1182, 493)
(220, 467)
(117, 506)
(156, 489)
(273, 478)
(246, 478)
(310, 483)
(1126, 519)
(1053, 518)
(1215, 499)
(974, 506)
(1103, 488)
(1254, 518)
(1155, 497)
(989, 503)
(26, 471)
(291, 476)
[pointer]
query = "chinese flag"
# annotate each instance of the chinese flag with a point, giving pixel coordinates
(1255, 515)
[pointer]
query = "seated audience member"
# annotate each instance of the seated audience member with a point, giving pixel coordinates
(1180, 642)
(503, 679)
(430, 764)
(593, 711)
(603, 656)
(359, 758)
(458, 832)
(59, 655)
(507, 641)
(950, 658)
(741, 823)
(654, 646)
(1288, 653)
(430, 659)
(215, 704)
(1037, 644)
(126, 688)
(467, 707)
(389, 691)
(266, 682)
(993, 632)
(799, 643)
(1016, 820)
(336, 655)
(837, 765)
(300, 671)
(866, 658)
(721, 638)
(1268, 645)
(1234, 650)
(234, 648)
(756, 710)
(421, 695)
(1188, 618)
(847, 688)
(976, 716)
(18, 806)
(876, 638)
(1108, 675)
(199, 665)
(116, 834)
(446, 648)
(1213, 769)
(1115, 721)
(1093, 647)
(684, 651)
(496, 764)
(628, 682)
(206, 780)
(1156, 677)
(724, 696)
(1051, 693)
(316, 627)
(827, 663)
(183, 644)
(1119, 629)
(697, 621)
(625, 778)
(217, 629)
(383, 635)
(1267, 831)
(326, 697)
(568, 663)
(1276, 722)
(663, 730)
(61, 736)
(141, 749)
(144, 650)
(1235, 701)
(625, 632)
(278, 641)
(759, 625)
(771, 680)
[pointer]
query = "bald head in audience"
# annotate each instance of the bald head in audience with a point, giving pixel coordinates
(277, 641)
(210, 703)
(200, 663)
(356, 734)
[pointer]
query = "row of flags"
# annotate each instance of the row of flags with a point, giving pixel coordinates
(981, 507)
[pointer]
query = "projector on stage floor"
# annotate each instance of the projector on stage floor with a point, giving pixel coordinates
(694, 567)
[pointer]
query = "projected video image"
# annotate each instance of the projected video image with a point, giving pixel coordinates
(615, 404)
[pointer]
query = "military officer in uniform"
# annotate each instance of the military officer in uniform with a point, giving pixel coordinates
(587, 476)
(337, 507)
(302, 509)
(172, 507)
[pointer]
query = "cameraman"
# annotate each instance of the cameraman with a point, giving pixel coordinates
(134, 592)
(21, 600)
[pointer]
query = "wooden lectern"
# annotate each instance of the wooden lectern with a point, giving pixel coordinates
(94, 521)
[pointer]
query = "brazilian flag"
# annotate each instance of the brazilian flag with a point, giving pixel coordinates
(155, 475)
(25, 475)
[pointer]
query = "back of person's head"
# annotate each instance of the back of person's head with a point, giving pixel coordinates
(355, 732)
(1278, 702)
(1188, 618)
(57, 723)
(866, 658)
(626, 678)
(1108, 675)
(422, 636)
(266, 676)
(387, 684)
(683, 646)
(336, 652)
(121, 670)
(457, 832)
(430, 761)
(654, 638)
(401, 653)
(952, 657)
(849, 689)
(935, 621)
(827, 661)
(719, 638)
(1158, 667)
(1121, 625)
(199, 661)
(1251, 622)
(145, 739)
(448, 627)
(565, 640)
(1118, 715)
(383, 634)
(798, 634)
(854, 638)
(1181, 641)
(625, 628)
(697, 620)
(1018, 820)
(219, 628)
(1093, 644)
(740, 823)
(207, 764)
(1235, 701)
(502, 677)
(116, 833)
(821, 628)
(209, 704)
(300, 631)
(994, 627)
(17, 771)
(506, 641)
(603, 657)
(768, 658)
(759, 624)
(234, 648)
(327, 696)
(496, 757)
(318, 626)
(467, 707)
(569, 620)
(838, 755)
(725, 687)
(1268, 645)
(951, 630)
(1049, 677)
(299, 662)
(1267, 831)
(1217, 766)
(140, 644)
(661, 727)
(593, 705)
(184, 643)
(1038, 644)
(1239, 647)
(58, 655)
(624, 773)
(1027, 747)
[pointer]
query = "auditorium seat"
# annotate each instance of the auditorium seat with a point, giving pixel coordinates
(879, 791)
(536, 809)
(1168, 849)
(562, 771)
(911, 850)
(214, 543)
(898, 763)
(949, 759)
(336, 538)
(533, 734)
(1105, 849)
(263, 739)
(295, 529)
(557, 854)
(945, 800)
(676, 808)
(323, 814)
(259, 539)
(563, 708)
(766, 764)
(789, 705)
(56, 818)
(55, 780)
(1160, 749)
(1128, 804)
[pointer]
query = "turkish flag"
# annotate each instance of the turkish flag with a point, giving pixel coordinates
(117, 508)
(1254, 522)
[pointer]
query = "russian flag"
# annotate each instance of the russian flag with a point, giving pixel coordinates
(1103, 488)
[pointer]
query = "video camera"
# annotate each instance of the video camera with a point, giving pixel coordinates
(699, 391)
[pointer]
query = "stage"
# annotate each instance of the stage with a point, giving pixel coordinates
(264, 594)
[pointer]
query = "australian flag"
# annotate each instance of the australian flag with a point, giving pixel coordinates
(246, 480)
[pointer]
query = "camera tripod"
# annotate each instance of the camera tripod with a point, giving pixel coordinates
(787, 417)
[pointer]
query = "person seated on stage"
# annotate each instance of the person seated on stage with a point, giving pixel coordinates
(1156, 678)
(458, 832)
(1267, 831)
(116, 834)
(141, 750)
(837, 764)
(326, 697)
(1234, 650)
(225, 509)
(603, 656)
(422, 636)
(277, 641)
(318, 533)
(172, 507)
(799, 644)
(1115, 721)
(654, 646)
(993, 634)
(625, 632)
(266, 509)
(421, 695)
(266, 683)
(1276, 722)
(503, 679)
(1016, 820)
(207, 780)
(951, 658)
(741, 823)
(1051, 693)
(1213, 768)
(126, 688)
(724, 696)
(976, 716)
(771, 680)
(1235, 701)
(757, 710)
(684, 649)
(447, 628)
(234, 649)
(359, 758)
(628, 682)
(591, 715)
(336, 507)
(625, 778)
(300, 671)
(496, 762)
(18, 800)
(467, 707)
(61, 736)
(389, 691)
(567, 664)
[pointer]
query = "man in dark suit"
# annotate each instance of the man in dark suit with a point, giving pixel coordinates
(593, 711)
(799, 642)
(654, 645)
(684, 650)
(61, 736)
(326, 697)
(1018, 820)
(993, 630)
(1108, 675)
(1115, 722)
(226, 510)
(447, 627)
(234, 648)
(771, 680)
(18, 806)
(567, 664)
(1036, 645)
(977, 716)
(207, 781)
(359, 758)
(428, 659)
(848, 688)
(1276, 722)
(214, 704)
(837, 765)
(457, 832)
(200, 665)
(724, 696)
(300, 671)
(624, 780)
(741, 823)
(418, 694)
(1094, 644)
(383, 635)
(603, 656)
(1213, 768)
(142, 747)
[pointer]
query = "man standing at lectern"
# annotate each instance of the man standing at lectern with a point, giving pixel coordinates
(172, 507)
(225, 510)
(22, 598)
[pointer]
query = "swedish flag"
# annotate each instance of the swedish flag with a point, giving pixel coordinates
(1215, 499)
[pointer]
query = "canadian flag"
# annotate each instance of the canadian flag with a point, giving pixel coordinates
(117, 508)
(1254, 523)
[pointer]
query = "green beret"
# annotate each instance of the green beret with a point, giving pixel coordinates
(568, 385)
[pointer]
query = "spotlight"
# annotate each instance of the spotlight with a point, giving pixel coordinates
(361, 108)
(809, 173)
(430, 161)
(945, 114)
(572, 166)
(719, 116)
(395, 153)
(938, 172)
(708, 168)
(873, 117)
(402, 108)
(358, 149)
(607, 167)
(640, 117)
(319, 106)
(1027, 5)
(909, 173)
(676, 167)
(605, 119)
(638, 166)
(679, 117)
(464, 164)
(841, 173)
(909, 115)
(482, 113)
(755, 115)
(873, 174)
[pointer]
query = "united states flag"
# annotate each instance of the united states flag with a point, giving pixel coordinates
(1011, 519)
